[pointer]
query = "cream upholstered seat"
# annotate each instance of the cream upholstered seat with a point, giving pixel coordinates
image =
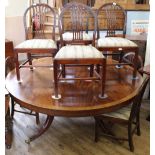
(128, 116)
(78, 51)
(77, 47)
(115, 42)
(123, 113)
(37, 43)
(114, 17)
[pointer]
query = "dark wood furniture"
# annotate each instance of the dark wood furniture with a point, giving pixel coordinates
(35, 19)
(8, 48)
(146, 70)
(129, 58)
(8, 123)
(8, 120)
(128, 115)
(115, 17)
(77, 50)
(79, 98)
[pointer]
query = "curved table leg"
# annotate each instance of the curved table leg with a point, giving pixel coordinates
(44, 128)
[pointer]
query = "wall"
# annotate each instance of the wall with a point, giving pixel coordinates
(14, 28)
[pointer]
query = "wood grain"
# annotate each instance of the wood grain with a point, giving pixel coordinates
(79, 98)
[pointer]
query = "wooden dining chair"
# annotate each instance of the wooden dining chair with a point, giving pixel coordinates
(112, 18)
(128, 115)
(10, 66)
(129, 59)
(37, 43)
(78, 50)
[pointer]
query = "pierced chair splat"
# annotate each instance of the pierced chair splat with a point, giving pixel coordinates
(114, 44)
(37, 43)
(78, 50)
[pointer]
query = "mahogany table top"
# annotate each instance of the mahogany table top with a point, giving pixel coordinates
(79, 98)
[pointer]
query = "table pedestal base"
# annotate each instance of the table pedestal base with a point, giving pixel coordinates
(44, 128)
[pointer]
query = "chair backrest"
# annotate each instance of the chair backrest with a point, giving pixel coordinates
(77, 18)
(79, 1)
(129, 58)
(9, 64)
(111, 17)
(135, 110)
(39, 19)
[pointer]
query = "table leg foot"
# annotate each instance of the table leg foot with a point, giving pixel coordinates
(44, 128)
(119, 66)
(102, 97)
(56, 98)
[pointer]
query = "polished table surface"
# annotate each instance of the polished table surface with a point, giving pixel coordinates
(79, 98)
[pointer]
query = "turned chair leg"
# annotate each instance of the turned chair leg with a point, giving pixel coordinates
(130, 138)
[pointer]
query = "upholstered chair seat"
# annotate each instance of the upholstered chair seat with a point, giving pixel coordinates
(77, 48)
(123, 113)
(128, 115)
(37, 43)
(78, 51)
(115, 42)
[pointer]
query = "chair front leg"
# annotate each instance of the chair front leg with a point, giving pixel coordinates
(130, 140)
(55, 66)
(138, 125)
(30, 60)
(103, 78)
(63, 71)
(91, 70)
(17, 66)
(12, 107)
(37, 118)
(56, 78)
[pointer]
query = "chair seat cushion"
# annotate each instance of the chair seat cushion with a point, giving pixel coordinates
(123, 113)
(115, 42)
(78, 51)
(67, 36)
(37, 43)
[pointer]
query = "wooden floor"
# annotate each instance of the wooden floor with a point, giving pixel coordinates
(74, 136)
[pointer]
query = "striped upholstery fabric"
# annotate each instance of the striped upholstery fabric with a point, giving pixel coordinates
(115, 42)
(123, 113)
(38, 43)
(69, 36)
(78, 51)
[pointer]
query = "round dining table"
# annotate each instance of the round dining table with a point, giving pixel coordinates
(79, 98)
